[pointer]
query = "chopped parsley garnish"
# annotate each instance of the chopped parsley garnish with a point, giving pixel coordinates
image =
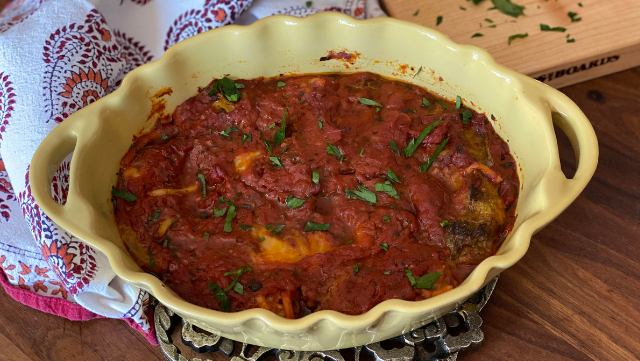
(416, 13)
(310, 226)
(466, 116)
(245, 227)
(238, 288)
(164, 136)
(477, 35)
(203, 215)
(226, 87)
(225, 302)
(414, 143)
(293, 202)
(392, 175)
(261, 239)
(366, 101)
(571, 40)
(544, 27)
(517, 36)
(203, 180)
(426, 103)
(425, 282)
(362, 194)
(227, 132)
(309, 3)
(276, 161)
(424, 167)
(230, 216)
(438, 20)
(246, 137)
(281, 84)
(492, 26)
(206, 234)
(277, 229)
(463, 8)
(349, 241)
(320, 122)
(219, 212)
(333, 150)
(442, 104)
(387, 187)
(508, 8)
(386, 219)
(122, 194)
(166, 242)
(239, 86)
(393, 146)
(315, 177)
(278, 138)
(268, 145)
(444, 223)
(355, 269)
(418, 72)
(155, 215)
(458, 102)
(488, 20)
(573, 17)
(151, 258)
(210, 131)
(296, 273)
(362, 151)
(271, 126)
(387, 272)
(384, 246)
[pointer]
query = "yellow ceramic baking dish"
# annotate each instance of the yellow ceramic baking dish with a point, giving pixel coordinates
(524, 110)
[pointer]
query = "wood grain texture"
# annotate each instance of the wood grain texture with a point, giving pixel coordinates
(574, 296)
(607, 28)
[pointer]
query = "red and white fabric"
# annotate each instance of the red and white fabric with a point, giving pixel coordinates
(57, 56)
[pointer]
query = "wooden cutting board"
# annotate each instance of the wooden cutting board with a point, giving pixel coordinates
(607, 38)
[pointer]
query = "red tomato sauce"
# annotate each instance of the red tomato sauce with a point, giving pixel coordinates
(314, 192)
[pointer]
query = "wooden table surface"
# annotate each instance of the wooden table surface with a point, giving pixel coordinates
(574, 296)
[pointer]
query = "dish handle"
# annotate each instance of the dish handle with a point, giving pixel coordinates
(574, 123)
(55, 147)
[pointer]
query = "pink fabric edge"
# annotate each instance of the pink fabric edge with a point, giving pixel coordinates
(61, 307)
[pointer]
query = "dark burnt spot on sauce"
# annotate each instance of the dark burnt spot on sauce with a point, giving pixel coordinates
(254, 285)
(273, 204)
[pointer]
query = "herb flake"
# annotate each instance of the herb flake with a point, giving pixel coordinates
(392, 175)
(517, 36)
(414, 143)
(387, 187)
(203, 180)
(544, 27)
(122, 194)
(311, 226)
(293, 202)
(276, 161)
(230, 216)
(362, 194)
(508, 8)
(424, 167)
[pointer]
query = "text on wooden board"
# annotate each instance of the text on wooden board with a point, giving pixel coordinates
(577, 68)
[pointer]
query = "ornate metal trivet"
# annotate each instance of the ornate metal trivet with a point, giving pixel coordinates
(440, 340)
